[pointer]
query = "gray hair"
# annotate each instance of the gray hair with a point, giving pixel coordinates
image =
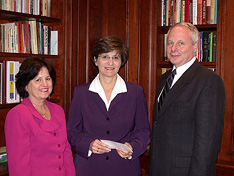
(194, 32)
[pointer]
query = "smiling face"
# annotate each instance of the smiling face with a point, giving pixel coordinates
(180, 48)
(108, 64)
(41, 86)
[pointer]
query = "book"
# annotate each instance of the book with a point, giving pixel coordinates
(199, 12)
(178, 11)
(182, 14)
(212, 11)
(46, 39)
(208, 9)
(206, 46)
(203, 11)
(187, 11)
(3, 63)
(168, 11)
(10, 82)
(12, 68)
(201, 47)
(164, 12)
(215, 14)
(194, 12)
(214, 47)
(54, 43)
(211, 47)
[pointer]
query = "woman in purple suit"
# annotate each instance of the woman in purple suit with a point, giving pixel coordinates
(108, 108)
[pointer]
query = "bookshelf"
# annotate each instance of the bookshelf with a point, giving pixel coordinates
(162, 29)
(223, 66)
(55, 20)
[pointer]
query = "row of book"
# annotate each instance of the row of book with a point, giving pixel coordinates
(28, 37)
(196, 12)
(35, 7)
(8, 92)
(206, 47)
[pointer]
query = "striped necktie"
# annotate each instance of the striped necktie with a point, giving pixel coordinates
(166, 88)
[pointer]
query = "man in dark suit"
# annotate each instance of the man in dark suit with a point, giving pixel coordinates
(188, 118)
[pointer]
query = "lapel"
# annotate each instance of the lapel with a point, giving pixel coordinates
(177, 89)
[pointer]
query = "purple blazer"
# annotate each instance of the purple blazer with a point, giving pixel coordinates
(125, 121)
(36, 146)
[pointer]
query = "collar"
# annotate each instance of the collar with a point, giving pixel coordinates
(180, 70)
(120, 87)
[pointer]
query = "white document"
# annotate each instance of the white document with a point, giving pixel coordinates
(114, 145)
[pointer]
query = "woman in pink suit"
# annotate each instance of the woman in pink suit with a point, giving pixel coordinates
(35, 130)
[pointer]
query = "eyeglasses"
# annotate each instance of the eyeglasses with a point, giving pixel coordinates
(106, 57)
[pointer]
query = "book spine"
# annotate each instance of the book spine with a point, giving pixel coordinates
(215, 13)
(206, 46)
(208, 6)
(214, 47)
(203, 11)
(211, 47)
(201, 46)
(194, 12)
(186, 11)
(178, 11)
(212, 11)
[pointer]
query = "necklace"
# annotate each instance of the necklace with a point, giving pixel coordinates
(44, 116)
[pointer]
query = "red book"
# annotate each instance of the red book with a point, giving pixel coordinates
(199, 11)
(187, 9)
(204, 11)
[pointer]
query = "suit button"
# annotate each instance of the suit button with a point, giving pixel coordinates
(59, 145)
(59, 157)
(59, 168)
(107, 132)
(107, 119)
(107, 158)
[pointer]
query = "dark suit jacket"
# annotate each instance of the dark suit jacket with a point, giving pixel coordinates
(125, 121)
(187, 131)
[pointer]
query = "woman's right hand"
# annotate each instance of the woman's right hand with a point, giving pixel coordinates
(99, 147)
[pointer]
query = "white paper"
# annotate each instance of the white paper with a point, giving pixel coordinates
(114, 145)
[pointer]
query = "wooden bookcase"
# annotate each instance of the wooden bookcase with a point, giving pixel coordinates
(56, 22)
(223, 65)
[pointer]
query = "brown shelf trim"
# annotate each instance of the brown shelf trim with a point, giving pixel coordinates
(16, 16)
(3, 54)
(203, 27)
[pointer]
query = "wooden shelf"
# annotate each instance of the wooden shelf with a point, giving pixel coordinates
(16, 16)
(204, 27)
(3, 54)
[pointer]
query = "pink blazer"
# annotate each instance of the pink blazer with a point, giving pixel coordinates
(36, 146)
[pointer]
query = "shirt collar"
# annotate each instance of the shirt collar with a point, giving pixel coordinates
(180, 70)
(120, 87)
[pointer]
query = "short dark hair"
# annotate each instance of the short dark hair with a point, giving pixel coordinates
(108, 44)
(29, 69)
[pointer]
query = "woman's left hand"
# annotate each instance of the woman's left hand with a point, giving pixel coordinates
(124, 153)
